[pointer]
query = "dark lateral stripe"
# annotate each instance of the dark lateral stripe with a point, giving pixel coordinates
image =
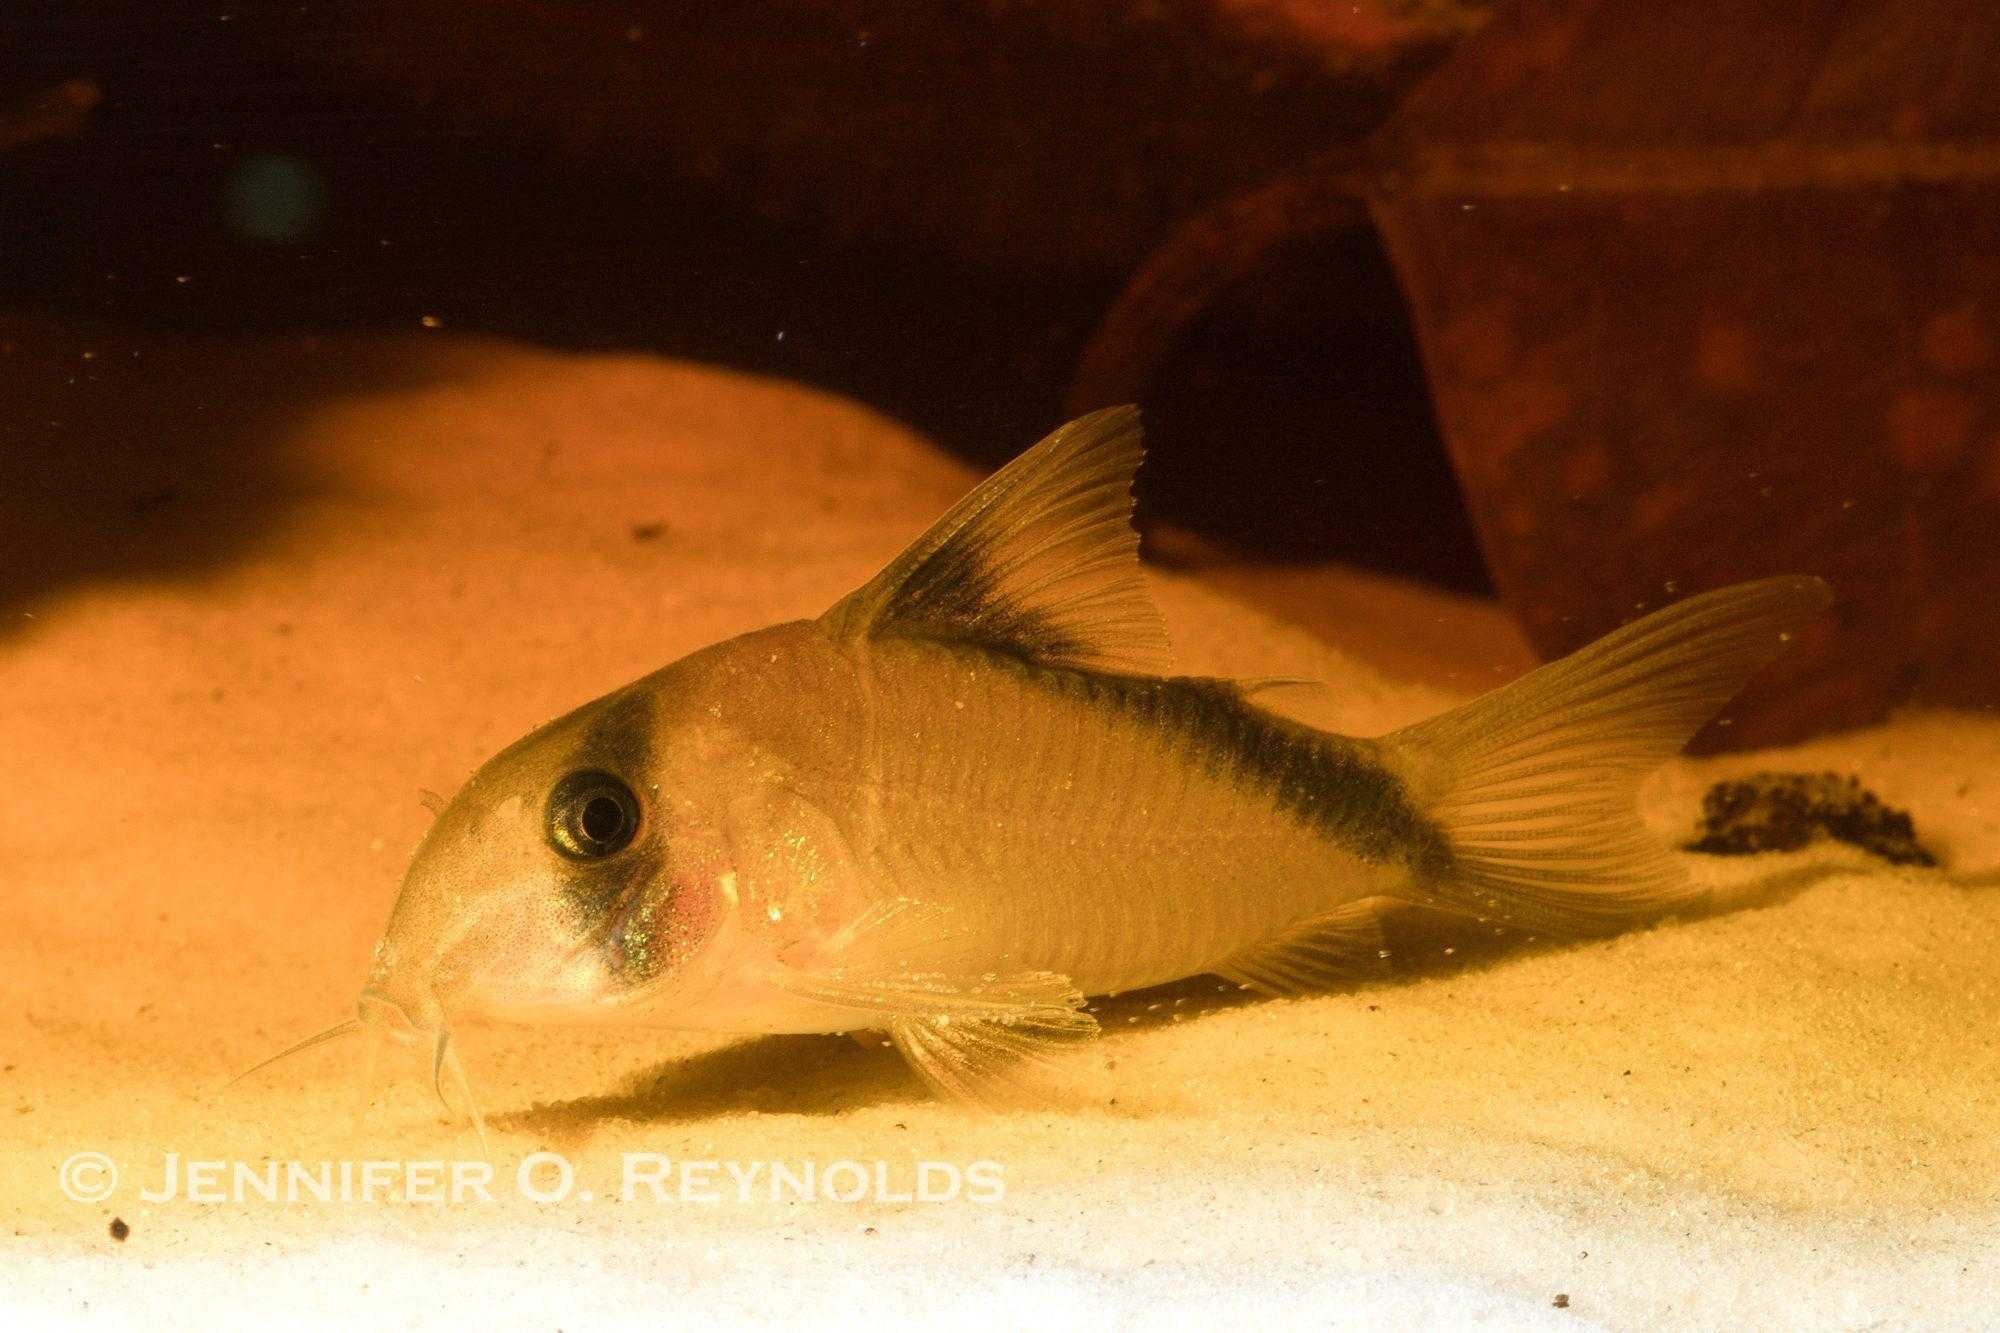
(1326, 782)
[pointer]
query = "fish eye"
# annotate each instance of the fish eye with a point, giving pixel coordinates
(592, 814)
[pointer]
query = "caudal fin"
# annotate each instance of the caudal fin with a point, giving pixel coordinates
(1535, 785)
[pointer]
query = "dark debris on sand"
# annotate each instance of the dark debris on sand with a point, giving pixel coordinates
(1782, 812)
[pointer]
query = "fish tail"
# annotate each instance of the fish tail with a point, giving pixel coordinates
(1534, 787)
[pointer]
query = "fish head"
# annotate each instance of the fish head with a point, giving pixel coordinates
(575, 874)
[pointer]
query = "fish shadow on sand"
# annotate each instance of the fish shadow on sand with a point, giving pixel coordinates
(781, 1075)
(824, 1075)
(831, 1075)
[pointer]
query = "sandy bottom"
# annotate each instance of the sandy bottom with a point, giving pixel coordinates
(1778, 1116)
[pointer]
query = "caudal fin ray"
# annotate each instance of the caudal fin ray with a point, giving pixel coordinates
(1535, 786)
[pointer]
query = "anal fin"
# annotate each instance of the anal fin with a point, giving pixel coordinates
(1319, 954)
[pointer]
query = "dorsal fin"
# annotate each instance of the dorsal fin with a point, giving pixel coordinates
(1040, 561)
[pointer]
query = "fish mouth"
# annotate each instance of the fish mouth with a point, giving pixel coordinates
(383, 1014)
(380, 1013)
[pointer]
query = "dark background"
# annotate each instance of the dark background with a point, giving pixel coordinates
(926, 207)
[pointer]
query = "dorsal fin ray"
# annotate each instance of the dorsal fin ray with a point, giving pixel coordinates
(1040, 561)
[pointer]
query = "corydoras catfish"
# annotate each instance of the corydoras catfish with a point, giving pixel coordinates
(972, 794)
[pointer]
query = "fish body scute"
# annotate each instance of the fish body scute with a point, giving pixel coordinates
(1119, 830)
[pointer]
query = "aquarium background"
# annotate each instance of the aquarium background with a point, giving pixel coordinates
(377, 381)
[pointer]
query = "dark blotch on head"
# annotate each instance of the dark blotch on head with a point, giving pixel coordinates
(619, 739)
(608, 893)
